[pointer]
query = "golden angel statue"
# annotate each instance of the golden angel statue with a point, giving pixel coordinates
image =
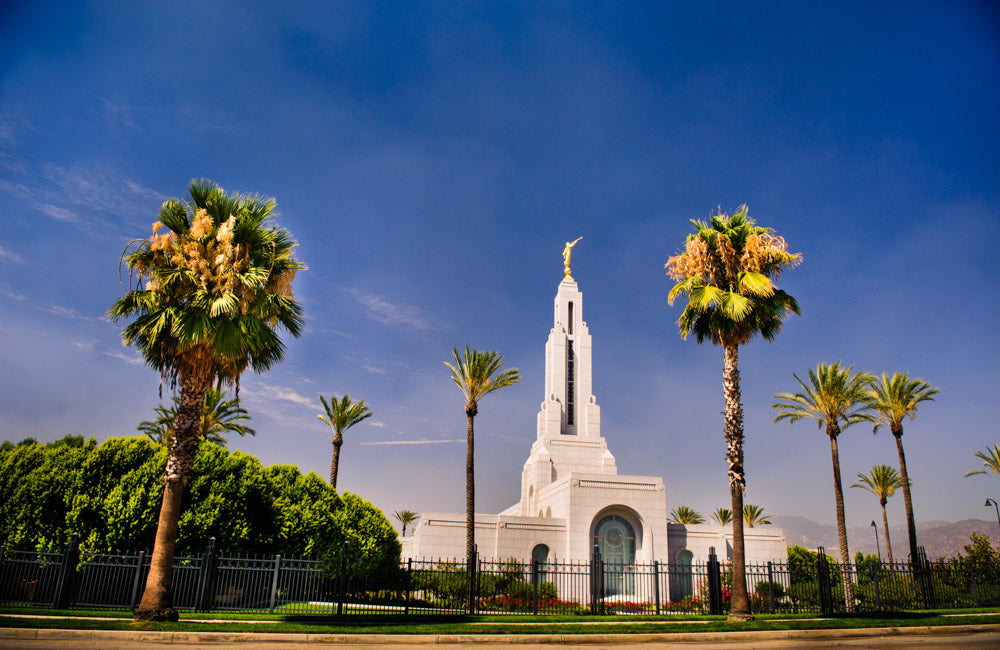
(567, 252)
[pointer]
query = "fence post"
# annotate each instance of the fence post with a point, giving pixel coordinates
(595, 586)
(878, 594)
(409, 585)
(66, 584)
(471, 564)
(535, 581)
(925, 570)
(823, 582)
(770, 586)
(274, 583)
(656, 585)
(137, 580)
(206, 582)
(972, 581)
(714, 583)
(342, 580)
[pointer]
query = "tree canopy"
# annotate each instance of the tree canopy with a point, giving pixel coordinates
(109, 494)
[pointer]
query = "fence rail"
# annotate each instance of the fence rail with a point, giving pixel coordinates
(277, 584)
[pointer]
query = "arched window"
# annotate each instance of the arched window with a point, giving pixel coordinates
(614, 539)
(540, 558)
(684, 577)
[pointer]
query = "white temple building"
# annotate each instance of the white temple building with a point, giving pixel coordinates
(573, 497)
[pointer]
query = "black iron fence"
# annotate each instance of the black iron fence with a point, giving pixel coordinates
(275, 584)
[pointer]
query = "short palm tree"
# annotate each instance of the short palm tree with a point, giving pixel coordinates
(754, 516)
(218, 418)
(727, 271)
(894, 399)
(881, 481)
(686, 515)
(723, 515)
(206, 298)
(835, 397)
(991, 461)
(340, 416)
(405, 517)
(477, 374)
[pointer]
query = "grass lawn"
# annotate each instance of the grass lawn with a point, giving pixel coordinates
(29, 617)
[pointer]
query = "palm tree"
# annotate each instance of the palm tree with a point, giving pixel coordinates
(209, 295)
(405, 517)
(727, 271)
(835, 398)
(476, 374)
(881, 481)
(754, 516)
(893, 399)
(218, 417)
(723, 515)
(340, 416)
(686, 515)
(991, 461)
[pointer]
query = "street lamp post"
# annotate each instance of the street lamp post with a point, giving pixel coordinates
(995, 506)
(877, 549)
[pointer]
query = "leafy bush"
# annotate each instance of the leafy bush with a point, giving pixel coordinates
(109, 494)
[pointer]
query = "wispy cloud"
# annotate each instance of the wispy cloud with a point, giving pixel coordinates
(10, 256)
(121, 117)
(86, 346)
(380, 425)
(133, 359)
(57, 213)
(373, 369)
(11, 294)
(330, 332)
(68, 312)
(373, 443)
(390, 313)
(97, 200)
(269, 393)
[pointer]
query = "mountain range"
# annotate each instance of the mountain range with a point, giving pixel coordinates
(940, 539)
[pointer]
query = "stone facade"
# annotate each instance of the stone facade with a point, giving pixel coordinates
(572, 496)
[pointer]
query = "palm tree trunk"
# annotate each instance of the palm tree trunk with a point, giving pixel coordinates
(740, 604)
(833, 431)
(157, 597)
(911, 528)
(338, 441)
(470, 485)
(885, 526)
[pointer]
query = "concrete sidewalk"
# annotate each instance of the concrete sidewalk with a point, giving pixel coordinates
(220, 638)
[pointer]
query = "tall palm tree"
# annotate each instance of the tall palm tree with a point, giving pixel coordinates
(340, 416)
(686, 515)
(894, 399)
(727, 271)
(218, 418)
(754, 516)
(881, 481)
(835, 398)
(405, 517)
(206, 298)
(477, 374)
(723, 515)
(991, 461)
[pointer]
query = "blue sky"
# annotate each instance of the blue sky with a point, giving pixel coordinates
(432, 159)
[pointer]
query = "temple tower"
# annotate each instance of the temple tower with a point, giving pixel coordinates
(569, 421)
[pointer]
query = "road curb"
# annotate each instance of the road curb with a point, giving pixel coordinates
(486, 639)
